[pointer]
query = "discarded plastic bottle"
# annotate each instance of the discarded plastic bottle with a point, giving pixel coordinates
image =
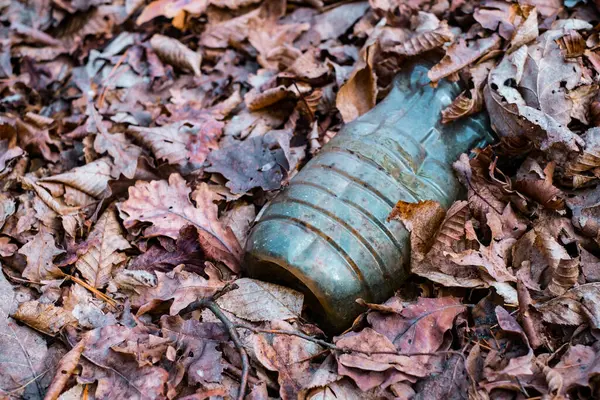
(327, 233)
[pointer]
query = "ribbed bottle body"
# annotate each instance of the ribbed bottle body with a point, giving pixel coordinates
(328, 231)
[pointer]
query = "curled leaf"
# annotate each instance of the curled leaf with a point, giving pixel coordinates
(425, 41)
(572, 44)
(176, 53)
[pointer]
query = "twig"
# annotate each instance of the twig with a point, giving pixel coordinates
(92, 289)
(232, 369)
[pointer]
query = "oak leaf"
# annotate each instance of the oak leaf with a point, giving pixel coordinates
(104, 250)
(124, 153)
(167, 206)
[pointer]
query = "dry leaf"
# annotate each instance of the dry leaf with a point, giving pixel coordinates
(40, 252)
(359, 94)
(260, 301)
(91, 178)
(46, 318)
(104, 250)
(65, 369)
(176, 53)
(168, 207)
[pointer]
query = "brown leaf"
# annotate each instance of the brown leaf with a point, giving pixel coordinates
(257, 100)
(527, 30)
(64, 370)
(176, 53)
(577, 366)
(168, 207)
(92, 178)
(23, 350)
(187, 252)
(588, 162)
(373, 362)
(118, 375)
(267, 35)
(7, 154)
(104, 250)
(256, 162)
(448, 384)
(185, 144)
(46, 318)
(198, 343)
(536, 183)
(359, 94)
(460, 54)
(290, 356)
(169, 9)
(572, 44)
(255, 301)
(180, 286)
(40, 252)
(7, 249)
(420, 326)
(575, 307)
(124, 154)
(425, 41)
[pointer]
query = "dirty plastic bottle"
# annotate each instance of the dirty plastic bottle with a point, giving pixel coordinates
(327, 233)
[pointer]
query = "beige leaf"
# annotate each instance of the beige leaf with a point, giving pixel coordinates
(425, 41)
(46, 318)
(176, 53)
(103, 255)
(260, 301)
(359, 94)
(64, 370)
(39, 253)
(168, 207)
(91, 178)
(7, 248)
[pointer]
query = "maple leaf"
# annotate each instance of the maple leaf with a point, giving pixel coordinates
(185, 143)
(168, 207)
(39, 253)
(104, 250)
(180, 286)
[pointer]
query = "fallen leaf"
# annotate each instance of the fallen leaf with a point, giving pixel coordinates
(46, 318)
(65, 369)
(575, 307)
(460, 54)
(176, 53)
(168, 207)
(289, 356)
(124, 154)
(180, 286)
(255, 301)
(185, 143)
(256, 162)
(359, 94)
(105, 245)
(447, 384)
(91, 178)
(39, 253)
(23, 350)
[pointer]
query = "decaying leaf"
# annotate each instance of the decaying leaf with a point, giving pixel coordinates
(46, 318)
(359, 93)
(104, 250)
(176, 53)
(168, 207)
(40, 252)
(260, 301)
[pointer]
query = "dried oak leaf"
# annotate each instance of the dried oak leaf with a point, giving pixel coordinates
(168, 207)
(579, 305)
(46, 318)
(255, 301)
(449, 384)
(420, 326)
(256, 162)
(187, 252)
(460, 54)
(359, 94)
(23, 351)
(104, 250)
(176, 53)
(266, 36)
(371, 360)
(180, 286)
(118, 375)
(91, 179)
(184, 143)
(198, 343)
(577, 366)
(40, 252)
(290, 356)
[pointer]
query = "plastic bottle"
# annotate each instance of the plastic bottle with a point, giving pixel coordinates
(327, 233)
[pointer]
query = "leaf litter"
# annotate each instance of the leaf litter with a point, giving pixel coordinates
(139, 140)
